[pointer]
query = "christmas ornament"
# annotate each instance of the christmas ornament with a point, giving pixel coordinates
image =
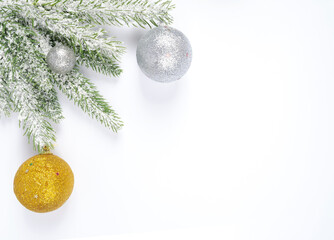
(43, 183)
(164, 54)
(61, 59)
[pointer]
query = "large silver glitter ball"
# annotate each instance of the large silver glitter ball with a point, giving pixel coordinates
(164, 54)
(61, 59)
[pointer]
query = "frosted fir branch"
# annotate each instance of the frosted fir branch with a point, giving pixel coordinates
(74, 85)
(84, 94)
(93, 47)
(38, 130)
(28, 53)
(117, 12)
(5, 108)
(23, 68)
(29, 28)
(31, 119)
(5, 102)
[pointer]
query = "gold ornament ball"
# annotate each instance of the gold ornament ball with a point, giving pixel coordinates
(43, 183)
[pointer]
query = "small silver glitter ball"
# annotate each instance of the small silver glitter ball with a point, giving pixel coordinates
(164, 54)
(61, 59)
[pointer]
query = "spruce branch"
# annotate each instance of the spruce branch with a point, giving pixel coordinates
(84, 94)
(5, 102)
(30, 28)
(32, 92)
(32, 66)
(117, 12)
(79, 89)
(93, 47)
(38, 130)
(74, 85)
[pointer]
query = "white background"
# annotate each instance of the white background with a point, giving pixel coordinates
(244, 141)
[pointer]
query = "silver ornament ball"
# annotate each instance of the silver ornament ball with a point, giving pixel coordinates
(164, 54)
(61, 59)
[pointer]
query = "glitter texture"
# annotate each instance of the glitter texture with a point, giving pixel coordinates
(61, 59)
(164, 54)
(39, 188)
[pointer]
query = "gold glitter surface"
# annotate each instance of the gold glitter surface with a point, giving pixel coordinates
(43, 183)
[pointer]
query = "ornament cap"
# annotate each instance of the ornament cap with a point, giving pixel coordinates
(46, 150)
